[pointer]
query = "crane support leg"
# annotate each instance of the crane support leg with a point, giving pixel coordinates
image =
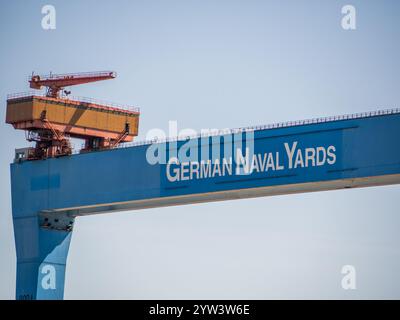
(41, 259)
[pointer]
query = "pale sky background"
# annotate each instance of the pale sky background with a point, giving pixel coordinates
(218, 64)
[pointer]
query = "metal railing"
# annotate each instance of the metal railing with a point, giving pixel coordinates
(261, 127)
(266, 127)
(74, 75)
(104, 104)
(23, 94)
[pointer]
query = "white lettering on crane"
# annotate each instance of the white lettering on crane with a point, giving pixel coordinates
(294, 157)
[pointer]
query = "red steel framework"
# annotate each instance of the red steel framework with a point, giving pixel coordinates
(57, 82)
(52, 139)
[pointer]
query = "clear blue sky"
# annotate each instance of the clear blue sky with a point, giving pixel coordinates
(218, 64)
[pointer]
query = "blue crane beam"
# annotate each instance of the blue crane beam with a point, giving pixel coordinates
(320, 154)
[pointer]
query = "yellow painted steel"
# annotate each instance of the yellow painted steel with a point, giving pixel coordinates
(82, 115)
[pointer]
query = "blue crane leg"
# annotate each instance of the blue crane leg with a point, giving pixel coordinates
(41, 259)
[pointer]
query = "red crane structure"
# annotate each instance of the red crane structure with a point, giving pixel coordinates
(57, 82)
(51, 119)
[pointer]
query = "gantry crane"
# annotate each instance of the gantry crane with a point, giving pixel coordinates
(51, 119)
(340, 152)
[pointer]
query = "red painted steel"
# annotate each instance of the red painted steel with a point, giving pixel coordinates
(57, 82)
